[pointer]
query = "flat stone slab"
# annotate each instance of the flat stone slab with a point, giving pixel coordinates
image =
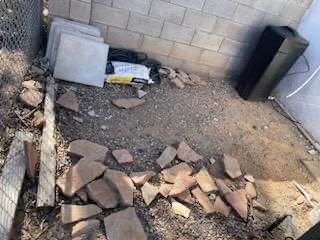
(185, 197)
(32, 157)
(75, 213)
(203, 199)
(32, 84)
(31, 98)
(79, 175)
(187, 154)
(123, 184)
(180, 209)
(140, 178)
(220, 207)
(149, 192)
(251, 190)
(205, 181)
(181, 184)
(170, 174)
(83, 148)
(124, 225)
(167, 156)
(122, 156)
(69, 101)
(85, 227)
(222, 187)
(82, 194)
(81, 60)
(128, 103)
(165, 189)
(103, 194)
(238, 201)
(231, 166)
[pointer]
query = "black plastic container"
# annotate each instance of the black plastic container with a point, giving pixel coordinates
(278, 49)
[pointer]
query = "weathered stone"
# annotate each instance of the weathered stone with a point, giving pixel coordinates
(249, 178)
(205, 181)
(103, 194)
(181, 184)
(87, 149)
(141, 93)
(185, 153)
(79, 175)
(212, 161)
(259, 206)
(85, 227)
(128, 103)
(185, 197)
(31, 98)
(149, 192)
(32, 84)
(82, 194)
(180, 209)
(238, 201)
(195, 80)
(220, 207)
(140, 178)
(167, 156)
(32, 158)
(231, 166)
(222, 187)
(165, 189)
(78, 119)
(69, 101)
(122, 156)
(178, 83)
(203, 199)
(251, 190)
(123, 184)
(75, 213)
(38, 119)
(124, 225)
(170, 174)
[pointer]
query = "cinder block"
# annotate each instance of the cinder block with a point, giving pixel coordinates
(143, 24)
(193, 4)
(271, 6)
(211, 58)
(232, 30)
(249, 16)
(201, 70)
(182, 51)
(110, 16)
(170, 12)
(167, 61)
(103, 29)
(80, 11)
(117, 37)
(139, 6)
(104, 2)
(235, 49)
(59, 8)
(156, 45)
(293, 11)
(207, 41)
(199, 20)
(225, 8)
(177, 33)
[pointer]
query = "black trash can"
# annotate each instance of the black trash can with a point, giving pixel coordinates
(278, 49)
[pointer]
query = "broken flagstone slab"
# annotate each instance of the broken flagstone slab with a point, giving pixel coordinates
(79, 175)
(220, 207)
(222, 187)
(69, 101)
(75, 213)
(231, 166)
(122, 156)
(82, 194)
(250, 190)
(187, 154)
(203, 199)
(124, 225)
(205, 181)
(180, 209)
(238, 201)
(128, 103)
(167, 156)
(149, 192)
(32, 158)
(83, 148)
(170, 174)
(140, 178)
(103, 194)
(31, 98)
(123, 184)
(181, 184)
(165, 189)
(185, 197)
(85, 227)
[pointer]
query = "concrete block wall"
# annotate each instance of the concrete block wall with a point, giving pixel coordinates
(213, 38)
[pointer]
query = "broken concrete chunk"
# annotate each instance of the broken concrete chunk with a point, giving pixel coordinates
(32, 84)
(249, 178)
(165, 189)
(79, 175)
(128, 103)
(75, 213)
(185, 153)
(38, 119)
(149, 192)
(250, 190)
(203, 199)
(124, 225)
(181, 184)
(141, 93)
(140, 178)
(259, 206)
(78, 119)
(185, 197)
(84, 148)
(82, 194)
(122, 156)
(180, 209)
(69, 101)
(103, 194)
(220, 207)
(231, 166)
(238, 201)
(31, 98)
(196, 80)
(178, 83)
(170, 174)
(123, 184)
(167, 156)
(222, 187)
(32, 158)
(85, 227)
(205, 181)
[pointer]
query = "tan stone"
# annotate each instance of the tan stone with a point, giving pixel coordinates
(231, 166)
(185, 197)
(38, 119)
(187, 154)
(75, 213)
(205, 181)
(149, 192)
(238, 201)
(85, 227)
(165, 189)
(122, 156)
(251, 190)
(31, 98)
(170, 174)
(249, 178)
(32, 158)
(181, 184)
(124, 225)
(84, 148)
(69, 101)
(128, 103)
(123, 184)
(167, 156)
(79, 175)
(222, 187)
(32, 84)
(220, 207)
(82, 194)
(180, 209)
(103, 194)
(178, 83)
(203, 199)
(140, 178)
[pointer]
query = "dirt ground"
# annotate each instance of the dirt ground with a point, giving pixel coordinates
(213, 120)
